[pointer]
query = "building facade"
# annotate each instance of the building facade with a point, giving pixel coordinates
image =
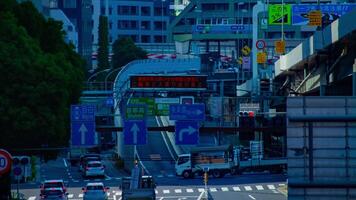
(144, 21)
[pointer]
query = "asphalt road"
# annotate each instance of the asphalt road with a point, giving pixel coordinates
(155, 156)
(247, 186)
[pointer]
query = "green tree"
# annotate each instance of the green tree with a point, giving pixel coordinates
(103, 49)
(125, 51)
(40, 77)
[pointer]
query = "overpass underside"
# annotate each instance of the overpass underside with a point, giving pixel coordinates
(328, 72)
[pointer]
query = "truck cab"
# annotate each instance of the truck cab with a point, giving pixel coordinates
(183, 166)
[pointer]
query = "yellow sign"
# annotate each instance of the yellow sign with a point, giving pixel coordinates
(261, 57)
(239, 60)
(280, 46)
(315, 18)
(246, 50)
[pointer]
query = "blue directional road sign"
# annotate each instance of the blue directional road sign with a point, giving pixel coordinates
(187, 132)
(187, 112)
(135, 132)
(83, 125)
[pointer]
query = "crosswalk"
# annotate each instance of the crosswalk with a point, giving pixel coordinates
(168, 191)
(242, 188)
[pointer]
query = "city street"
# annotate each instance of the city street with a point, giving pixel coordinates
(246, 186)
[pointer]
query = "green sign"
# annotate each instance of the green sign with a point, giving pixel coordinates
(162, 105)
(135, 111)
(149, 102)
(275, 14)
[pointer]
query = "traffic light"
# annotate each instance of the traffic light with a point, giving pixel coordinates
(206, 177)
(247, 119)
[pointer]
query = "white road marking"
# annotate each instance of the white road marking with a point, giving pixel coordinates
(225, 189)
(70, 196)
(236, 188)
(248, 188)
(201, 189)
(80, 195)
(171, 175)
(178, 191)
(281, 184)
(118, 193)
(32, 198)
(259, 187)
(190, 190)
(251, 197)
(271, 187)
(213, 190)
(275, 191)
(160, 176)
(108, 193)
(161, 198)
(165, 191)
(65, 162)
(156, 191)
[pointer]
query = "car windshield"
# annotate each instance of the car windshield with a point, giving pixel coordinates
(53, 185)
(95, 187)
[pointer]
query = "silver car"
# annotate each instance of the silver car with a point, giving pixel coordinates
(95, 191)
(94, 168)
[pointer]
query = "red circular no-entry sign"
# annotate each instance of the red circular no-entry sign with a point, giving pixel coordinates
(5, 162)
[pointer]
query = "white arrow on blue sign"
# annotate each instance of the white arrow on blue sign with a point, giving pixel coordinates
(187, 132)
(187, 112)
(135, 132)
(83, 125)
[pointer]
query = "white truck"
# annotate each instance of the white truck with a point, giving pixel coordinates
(221, 160)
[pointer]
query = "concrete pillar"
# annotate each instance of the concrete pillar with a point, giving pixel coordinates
(323, 75)
(354, 79)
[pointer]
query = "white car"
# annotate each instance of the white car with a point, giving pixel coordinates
(54, 194)
(94, 168)
(95, 191)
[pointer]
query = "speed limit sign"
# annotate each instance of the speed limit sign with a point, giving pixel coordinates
(260, 44)
(5, 162)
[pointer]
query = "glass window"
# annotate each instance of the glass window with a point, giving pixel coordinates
(53, 4)
(145, 25)
(133, 10)
(145, 39)
(110, 10)
(183, 159)
(102, 10)
(69, 4)
(95, 187)
(145, 11)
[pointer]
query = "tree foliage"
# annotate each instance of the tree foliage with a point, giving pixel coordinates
(103, 50)
(125, 51)
(40, 77)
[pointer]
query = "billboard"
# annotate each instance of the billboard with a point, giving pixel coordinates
(168, 82)
(221, 28)
(330, 12)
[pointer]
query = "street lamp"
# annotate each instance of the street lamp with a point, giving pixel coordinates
(99, 72)
(107, 76)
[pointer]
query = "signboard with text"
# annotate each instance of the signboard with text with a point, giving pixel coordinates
(261, 57)
(280, 46)
(148, 102)
(221, 28)
(275, 14)
(330, 12)
(315, 18)
(196, 82)
(83, 125)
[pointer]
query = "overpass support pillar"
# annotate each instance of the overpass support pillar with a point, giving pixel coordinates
(323, 82)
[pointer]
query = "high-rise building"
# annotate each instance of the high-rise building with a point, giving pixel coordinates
(144, 21)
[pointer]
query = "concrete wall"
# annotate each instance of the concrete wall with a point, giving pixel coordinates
(333, 151)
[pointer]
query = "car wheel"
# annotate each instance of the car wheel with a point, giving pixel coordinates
(186, 174)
